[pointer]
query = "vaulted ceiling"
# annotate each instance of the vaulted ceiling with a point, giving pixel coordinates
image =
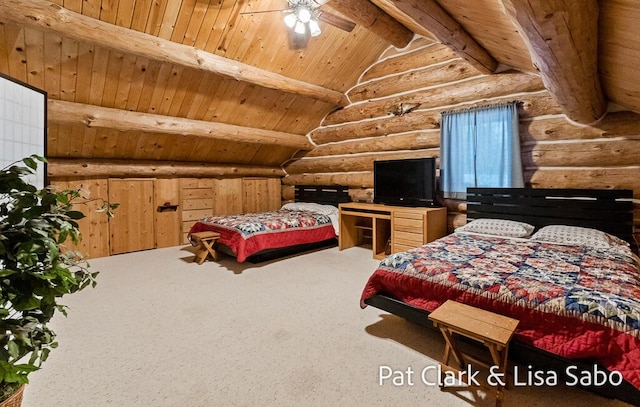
(216, 81)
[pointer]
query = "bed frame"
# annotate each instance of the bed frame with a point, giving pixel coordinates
(608, 210)
(321, 194)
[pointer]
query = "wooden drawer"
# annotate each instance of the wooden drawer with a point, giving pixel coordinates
(402, 248)
(414, 239)
(408, 225)
(409, 221)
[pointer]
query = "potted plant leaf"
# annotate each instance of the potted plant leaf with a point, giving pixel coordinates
(36, 270)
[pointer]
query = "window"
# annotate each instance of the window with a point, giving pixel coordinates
(23, 124)
(480, 147)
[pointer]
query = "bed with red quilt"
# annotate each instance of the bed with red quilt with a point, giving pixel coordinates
(577, 299)
(310, 222)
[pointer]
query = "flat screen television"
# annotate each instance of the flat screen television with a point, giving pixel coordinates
(410, 182)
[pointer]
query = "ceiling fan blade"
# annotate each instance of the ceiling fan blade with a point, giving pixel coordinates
(336, 21)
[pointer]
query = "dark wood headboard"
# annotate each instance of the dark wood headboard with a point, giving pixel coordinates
(322, 194)
(608, 210)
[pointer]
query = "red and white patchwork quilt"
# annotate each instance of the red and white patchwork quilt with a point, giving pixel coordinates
(574, 301)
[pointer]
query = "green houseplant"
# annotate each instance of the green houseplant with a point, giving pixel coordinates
(36, 269)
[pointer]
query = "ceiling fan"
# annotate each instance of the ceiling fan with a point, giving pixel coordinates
(302, 17)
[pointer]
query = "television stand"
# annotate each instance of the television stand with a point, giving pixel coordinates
(389, 229)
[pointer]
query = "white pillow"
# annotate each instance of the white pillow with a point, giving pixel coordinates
(311, 207)
(575, 235)
(498, 227)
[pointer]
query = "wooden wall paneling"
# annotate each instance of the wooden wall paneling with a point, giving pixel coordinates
(91, 8)
(34, 50)
(182, 22)
(84, 76)
(4, 52)
(57, 140)
(173, 85)
(186, 95)
(171, 11)
(69, 69)
(261, 194)
(112, 80)
(94, 227)
(123, 89)
(98, 75)
(202, 99)
(52, 58)
(223, 28)
(137, 83)
(52, 140)
(16, 52)
(88, 137)
(243, 38)
(152, 71)
(172, 105)
(73, 5)
(141, 14)
(227, 196)
(176, 148)
(133, 228)
(125, 13)
(206, 28)
(164, 74)
(168, 222)
(109, 11)
(156, 13)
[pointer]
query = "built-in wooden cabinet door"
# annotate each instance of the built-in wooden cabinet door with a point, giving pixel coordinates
(261, 194)
(132, 227)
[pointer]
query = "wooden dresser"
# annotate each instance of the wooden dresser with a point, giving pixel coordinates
(389, 229)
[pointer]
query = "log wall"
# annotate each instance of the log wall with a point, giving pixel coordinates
(556, 152)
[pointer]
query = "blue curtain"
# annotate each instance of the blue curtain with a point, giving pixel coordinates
(480, 147)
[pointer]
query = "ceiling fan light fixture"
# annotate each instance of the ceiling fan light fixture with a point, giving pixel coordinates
(304, 15)
(300, 28)
(314, 28)
(290, 20)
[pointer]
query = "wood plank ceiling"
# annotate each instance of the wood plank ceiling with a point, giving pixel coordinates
(90, 72)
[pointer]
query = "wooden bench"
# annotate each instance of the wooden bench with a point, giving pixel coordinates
(492, 330)
(205, 241)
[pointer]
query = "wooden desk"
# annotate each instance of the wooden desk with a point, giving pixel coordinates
(492, 330)
(389, 229)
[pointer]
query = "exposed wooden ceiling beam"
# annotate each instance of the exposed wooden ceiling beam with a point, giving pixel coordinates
(562, 37)
(374, 19)
(46, 16)
(123, 120)
(433, 18)
(81, 167)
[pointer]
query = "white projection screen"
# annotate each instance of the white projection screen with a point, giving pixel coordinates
(23, 124)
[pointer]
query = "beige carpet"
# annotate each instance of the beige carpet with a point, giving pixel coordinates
(162, 331)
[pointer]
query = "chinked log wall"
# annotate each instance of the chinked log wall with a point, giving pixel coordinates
(556, 152)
